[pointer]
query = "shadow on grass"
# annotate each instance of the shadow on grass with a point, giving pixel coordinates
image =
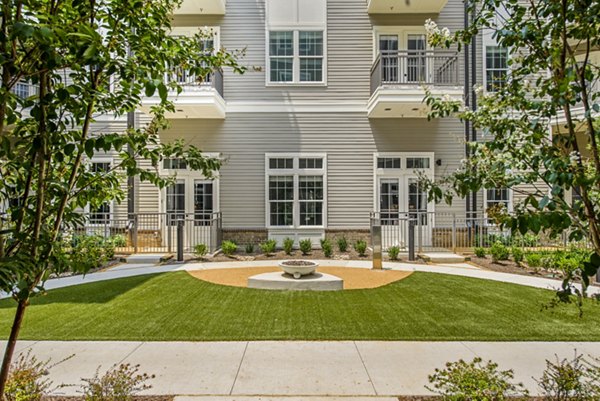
(90, 293)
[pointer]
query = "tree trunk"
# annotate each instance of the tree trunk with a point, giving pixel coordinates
(12, 342)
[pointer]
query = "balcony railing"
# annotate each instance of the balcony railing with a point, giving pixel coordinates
(191, 82)
(414, 67)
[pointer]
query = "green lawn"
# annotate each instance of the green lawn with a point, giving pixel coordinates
(425, 306)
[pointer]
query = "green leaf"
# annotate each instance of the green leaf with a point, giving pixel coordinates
(150, 89)
(89, 147)
(162, 92)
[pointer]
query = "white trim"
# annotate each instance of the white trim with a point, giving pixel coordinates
(510, 206)
(403, 174)
(295, 29)
(189, 177)
(191, 31)
(296, 107)
(296, 172)
(402, 31)
(101, 159)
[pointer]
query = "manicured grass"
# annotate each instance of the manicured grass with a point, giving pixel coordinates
(175, 306)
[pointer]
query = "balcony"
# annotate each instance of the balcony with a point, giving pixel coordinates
(201, 99)
(405, 7)
(399, 79)
(202, 7)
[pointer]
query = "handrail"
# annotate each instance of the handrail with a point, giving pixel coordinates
(415, 67)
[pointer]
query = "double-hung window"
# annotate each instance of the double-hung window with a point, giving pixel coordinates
(496, 68)
(296, 190)
(296, 56)
(497, 198)
(101, 214)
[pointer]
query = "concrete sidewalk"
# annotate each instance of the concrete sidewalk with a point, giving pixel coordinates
(459, 269)
(302, 369)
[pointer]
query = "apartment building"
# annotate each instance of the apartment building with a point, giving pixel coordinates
(325, 127)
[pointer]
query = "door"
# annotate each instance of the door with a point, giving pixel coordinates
(193, 201)
(388, 48)
(416, 61)
(402, 198)
(418, 211)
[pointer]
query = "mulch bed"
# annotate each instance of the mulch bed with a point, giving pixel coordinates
(315, 254)
(508, 266)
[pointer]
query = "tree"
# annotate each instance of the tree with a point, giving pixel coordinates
(540, 128)
(84, 58)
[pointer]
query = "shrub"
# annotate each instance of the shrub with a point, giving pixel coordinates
(462, 381)
(480, 252)
(249, 248)
(118, 240)
(288, 245)
(85, 252)
(268, 247)
(200, 250)
(305, 246)
(533, 260)
(327, 247)
(342, 244)
(576, 379)
(517, 254)
(499, 252)
(228, 247)
(393, 252)
(26, 380)
(361, 247)
(120, 383)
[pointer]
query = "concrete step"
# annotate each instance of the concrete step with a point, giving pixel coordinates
(442, 257)
(281, 398)
(147, 258)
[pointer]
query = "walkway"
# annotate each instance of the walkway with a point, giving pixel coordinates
(459, 269)
(302, 369)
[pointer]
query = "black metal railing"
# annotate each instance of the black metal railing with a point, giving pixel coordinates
(154, 232)
(408, 67)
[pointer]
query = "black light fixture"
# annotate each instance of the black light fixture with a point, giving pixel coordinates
(438, 162)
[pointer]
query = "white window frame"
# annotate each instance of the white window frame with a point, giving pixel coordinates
(403, 174)
(296, 55)
(189, 177)
(402, 32)
(485, 64)
(111, 204)
(485, 201)
(296, 172)
(191, 31)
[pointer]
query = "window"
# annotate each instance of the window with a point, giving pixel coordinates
(496, 67)
(101, 214)
(281, 163)
(296, 191)
(307, 163)
(203, 202)
(175, 202)
(496, 197)
(417, 162)
(21, 89)
(388, 162)
(281, 200)
(209, 43)
(174, 164)
(311, 200)
(296, 56)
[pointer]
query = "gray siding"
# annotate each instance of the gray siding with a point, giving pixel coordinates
(349, 139)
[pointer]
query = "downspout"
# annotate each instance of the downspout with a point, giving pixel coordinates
(474, 103)
(130, 179)
(467, 96)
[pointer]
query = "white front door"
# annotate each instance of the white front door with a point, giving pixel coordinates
(400, 199)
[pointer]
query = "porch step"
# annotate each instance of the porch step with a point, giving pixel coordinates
(442, 257)
(147, 258)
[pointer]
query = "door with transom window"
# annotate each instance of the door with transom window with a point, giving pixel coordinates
(402, 197)
(193, 200)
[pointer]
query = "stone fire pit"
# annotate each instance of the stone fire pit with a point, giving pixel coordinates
(298, 268)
